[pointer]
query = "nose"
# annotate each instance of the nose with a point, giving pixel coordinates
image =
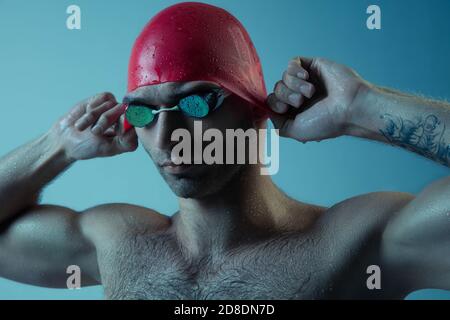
(166, 123)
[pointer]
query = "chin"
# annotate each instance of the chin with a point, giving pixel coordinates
(188, 188)
(200, 186)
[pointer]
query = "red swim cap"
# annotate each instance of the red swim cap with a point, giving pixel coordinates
(194, 41)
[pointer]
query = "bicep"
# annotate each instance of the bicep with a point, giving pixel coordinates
(416, 241)
(39, 245)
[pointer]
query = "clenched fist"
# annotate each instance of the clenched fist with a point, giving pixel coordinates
(315, 99)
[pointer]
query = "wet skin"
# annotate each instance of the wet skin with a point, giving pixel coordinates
(236, 234)
(326, 259)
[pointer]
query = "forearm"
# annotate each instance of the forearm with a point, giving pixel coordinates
(25, 171)
(411, 122)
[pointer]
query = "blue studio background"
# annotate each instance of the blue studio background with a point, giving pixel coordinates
(46, 68)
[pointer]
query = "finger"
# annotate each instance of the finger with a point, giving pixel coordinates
(120, 124)
(305, 62)
(99, 99)
(76, 113)
(316, 65)
(92, 115)
(80, 108)
(298, 85)
(295, 69)
(118, 144)
(107, 119)
(126, 142)
(276, 105)
(288, 96)
(111, 131)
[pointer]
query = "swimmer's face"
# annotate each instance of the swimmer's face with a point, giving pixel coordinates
(196, 180)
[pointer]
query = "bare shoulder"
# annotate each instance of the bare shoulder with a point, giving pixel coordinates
(379, 201)
(375, 207)
(114, 219)
(368, 210)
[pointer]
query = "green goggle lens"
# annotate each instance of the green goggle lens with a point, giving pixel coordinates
(139, 116)
(194, 106)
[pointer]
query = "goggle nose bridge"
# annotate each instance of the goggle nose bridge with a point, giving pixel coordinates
(175, 108)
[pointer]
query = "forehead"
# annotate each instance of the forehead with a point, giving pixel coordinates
(166, 93)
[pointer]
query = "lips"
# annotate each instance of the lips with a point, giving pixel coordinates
(172, 168)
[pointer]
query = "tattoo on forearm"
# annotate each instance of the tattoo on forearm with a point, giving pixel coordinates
(424, 136)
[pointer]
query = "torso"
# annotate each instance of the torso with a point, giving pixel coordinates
(327, 261)
(264, 271)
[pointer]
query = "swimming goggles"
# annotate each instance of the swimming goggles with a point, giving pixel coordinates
(197, 105)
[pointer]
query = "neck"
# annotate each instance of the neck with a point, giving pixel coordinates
(249, 207)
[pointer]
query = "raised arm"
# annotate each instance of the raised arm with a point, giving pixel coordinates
(412, 122)
(38, 242)
(331, 101)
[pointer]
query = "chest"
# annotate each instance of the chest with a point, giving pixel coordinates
(286, 267)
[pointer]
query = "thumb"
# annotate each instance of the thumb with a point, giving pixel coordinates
(278, 120)
(285, 126)
(313, 63)
(127, 142)
(305, 62)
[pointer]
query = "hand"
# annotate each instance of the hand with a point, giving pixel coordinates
(94, 128)
(315, 99)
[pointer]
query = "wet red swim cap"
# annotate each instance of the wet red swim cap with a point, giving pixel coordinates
(195, 41)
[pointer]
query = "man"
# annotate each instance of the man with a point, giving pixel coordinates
(236, 235)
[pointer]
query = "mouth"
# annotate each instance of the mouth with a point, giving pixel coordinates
(175, 169)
